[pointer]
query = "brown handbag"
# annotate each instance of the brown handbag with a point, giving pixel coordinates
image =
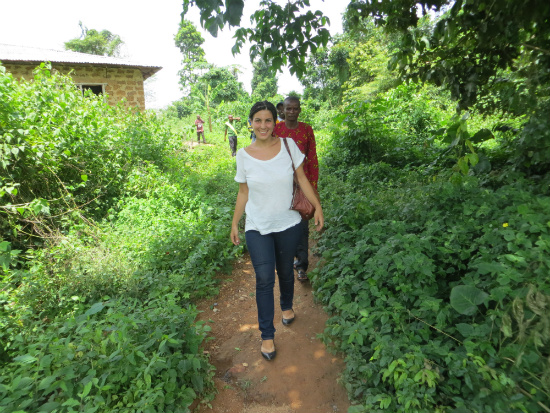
(299, 202)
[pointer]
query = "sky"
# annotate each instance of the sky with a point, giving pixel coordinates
(147, 29)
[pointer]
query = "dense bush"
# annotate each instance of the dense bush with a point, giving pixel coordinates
(396, 127)
(132, 227)
(439, 293)
(64, 154)
(121, 355)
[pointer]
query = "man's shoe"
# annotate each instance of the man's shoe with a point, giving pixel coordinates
(302, 276)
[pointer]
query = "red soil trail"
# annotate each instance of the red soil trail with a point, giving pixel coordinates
(303, 378)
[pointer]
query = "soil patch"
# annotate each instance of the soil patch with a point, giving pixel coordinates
(303, 378)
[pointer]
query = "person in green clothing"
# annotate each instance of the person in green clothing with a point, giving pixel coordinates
(232, 133)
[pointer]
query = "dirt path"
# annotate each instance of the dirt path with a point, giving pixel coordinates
(303, 378)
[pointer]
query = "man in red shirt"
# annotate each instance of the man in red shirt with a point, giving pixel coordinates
(302, 133)
(200, 129)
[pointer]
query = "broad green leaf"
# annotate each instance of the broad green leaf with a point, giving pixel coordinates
(46, 382)
(86, 390)
(489, 267)
(96, 308)
(25, 359)
(5, 246)
(48, 407)
(466, 298)
(463, 165)
(465, 329)
(84, 177)
(71, 403)
(482, 135)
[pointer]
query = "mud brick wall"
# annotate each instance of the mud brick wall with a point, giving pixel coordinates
(120, 82)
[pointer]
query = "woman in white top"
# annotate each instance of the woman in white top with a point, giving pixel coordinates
(272, 229)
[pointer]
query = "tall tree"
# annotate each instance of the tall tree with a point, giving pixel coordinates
(280, 34)
(189, 41)
(91, 41)
(233, 89)
(464, 50)
(326, 72)
(264, 82)
(468, 45)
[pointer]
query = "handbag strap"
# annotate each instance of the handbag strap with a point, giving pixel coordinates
(288, 150)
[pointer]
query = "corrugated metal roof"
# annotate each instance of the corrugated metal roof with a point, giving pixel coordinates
(11, 53)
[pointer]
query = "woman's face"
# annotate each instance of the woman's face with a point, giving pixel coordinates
(263, 124)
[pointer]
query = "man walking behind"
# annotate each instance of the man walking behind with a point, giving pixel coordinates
(200, 129)
(232, 133)
(302, 134)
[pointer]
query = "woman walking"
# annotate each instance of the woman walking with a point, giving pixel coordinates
(272, 229)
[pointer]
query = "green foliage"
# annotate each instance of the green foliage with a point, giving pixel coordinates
(101, 317)
(118, 354)
(326, 71)
(424, 280)
(532, 149)
(91, 41)
(277, 34)
(64, 155)
(264, 81)
(231, 90)
(189, 41)
(468, 45)
(393, 128)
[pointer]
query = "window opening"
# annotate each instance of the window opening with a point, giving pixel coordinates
(96, 89)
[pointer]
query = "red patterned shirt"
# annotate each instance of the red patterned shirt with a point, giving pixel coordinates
(305, 139)
(198, 124)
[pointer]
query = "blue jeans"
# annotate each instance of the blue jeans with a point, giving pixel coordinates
(302, 258)
(269, 252)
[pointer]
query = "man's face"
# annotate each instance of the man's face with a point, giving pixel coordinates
(292, 110)
(281, 111)
(230, 117)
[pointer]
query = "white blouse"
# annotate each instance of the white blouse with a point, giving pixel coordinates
(269, 189)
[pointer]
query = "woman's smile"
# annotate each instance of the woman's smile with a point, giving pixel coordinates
(263, 124)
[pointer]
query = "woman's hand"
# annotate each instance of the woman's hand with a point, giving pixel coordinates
(235, 235)
(242, 199)
(319, 219)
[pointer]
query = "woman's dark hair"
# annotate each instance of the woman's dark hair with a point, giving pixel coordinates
(263, 105)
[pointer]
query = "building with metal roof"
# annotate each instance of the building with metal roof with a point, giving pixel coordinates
(118, 79)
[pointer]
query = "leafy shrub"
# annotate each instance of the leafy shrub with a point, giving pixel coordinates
(393, 128)
(118, 355)
(532, 150)
(436, 293)
(138, 218)
(65, 155)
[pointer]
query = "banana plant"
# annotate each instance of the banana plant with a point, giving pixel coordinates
(206, 94)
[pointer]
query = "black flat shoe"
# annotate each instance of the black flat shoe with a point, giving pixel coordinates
(268, 356)
(289, 321)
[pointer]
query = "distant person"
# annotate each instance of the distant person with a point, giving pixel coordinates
(272, 229)
(232, 133)
(302, 134)
(280, 112)
(251, 130)
(200, 129)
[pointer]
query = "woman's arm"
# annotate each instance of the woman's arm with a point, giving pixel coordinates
(242, 199)
(312, 197)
